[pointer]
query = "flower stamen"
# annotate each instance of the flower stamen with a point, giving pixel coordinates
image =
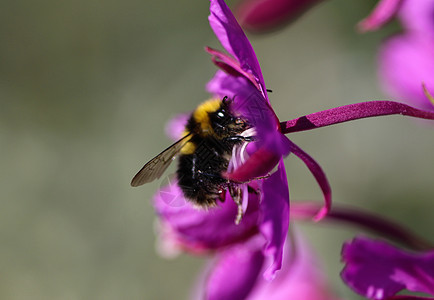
(427, 93)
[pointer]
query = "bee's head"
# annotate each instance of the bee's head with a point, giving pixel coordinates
(215, 117)
(224, 122)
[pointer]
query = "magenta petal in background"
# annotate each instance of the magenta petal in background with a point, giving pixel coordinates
(236, 274)
(378, 270)
(380, 15)
(275, 217)
(405, 61)
(301, 277)
(236, 271)
(261, 15)
(417, 17)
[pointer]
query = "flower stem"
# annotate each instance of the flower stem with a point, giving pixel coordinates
(372, 222)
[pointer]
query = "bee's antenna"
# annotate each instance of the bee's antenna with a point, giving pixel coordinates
(270, 91)
(226, 100)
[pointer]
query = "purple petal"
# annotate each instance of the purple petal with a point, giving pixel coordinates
(230, 66)
(320, 177)
(176, 126)
(301, 276)
(223, 84)
(275, 217)
(236, 272)
(382, 13)
(377, 270)
(417, 17)
(352, 112)
(247, 100)
(201, 230)
(234, 40)
(262, 15)
(405, 61)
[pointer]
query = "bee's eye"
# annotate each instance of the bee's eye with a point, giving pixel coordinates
(221, 114)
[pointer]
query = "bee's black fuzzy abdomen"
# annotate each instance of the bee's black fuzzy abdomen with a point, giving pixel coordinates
(200, 173)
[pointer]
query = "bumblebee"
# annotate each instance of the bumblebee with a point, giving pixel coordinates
(204, 153)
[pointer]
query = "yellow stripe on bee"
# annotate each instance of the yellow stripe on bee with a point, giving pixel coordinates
(201, 114)
(188, 148)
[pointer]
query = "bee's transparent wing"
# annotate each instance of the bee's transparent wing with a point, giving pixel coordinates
(154, 168)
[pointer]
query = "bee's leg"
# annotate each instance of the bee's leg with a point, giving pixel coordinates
(208, 174)
(252, 179)
(239, 138)
(236, 194)
(220, 193)
(249, 138)
(193, 166)
(262, 177)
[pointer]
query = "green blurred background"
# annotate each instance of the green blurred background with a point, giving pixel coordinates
(85, 90)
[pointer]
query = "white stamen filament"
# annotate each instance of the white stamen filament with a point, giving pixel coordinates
(239, 157)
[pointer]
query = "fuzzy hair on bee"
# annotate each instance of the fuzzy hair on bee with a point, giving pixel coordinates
(204, 152)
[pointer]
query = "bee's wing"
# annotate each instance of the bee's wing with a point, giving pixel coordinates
(156, 166)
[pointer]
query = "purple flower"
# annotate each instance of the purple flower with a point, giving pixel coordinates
(378, 270)
(256, 245)
(241, 79)
(266, 213)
